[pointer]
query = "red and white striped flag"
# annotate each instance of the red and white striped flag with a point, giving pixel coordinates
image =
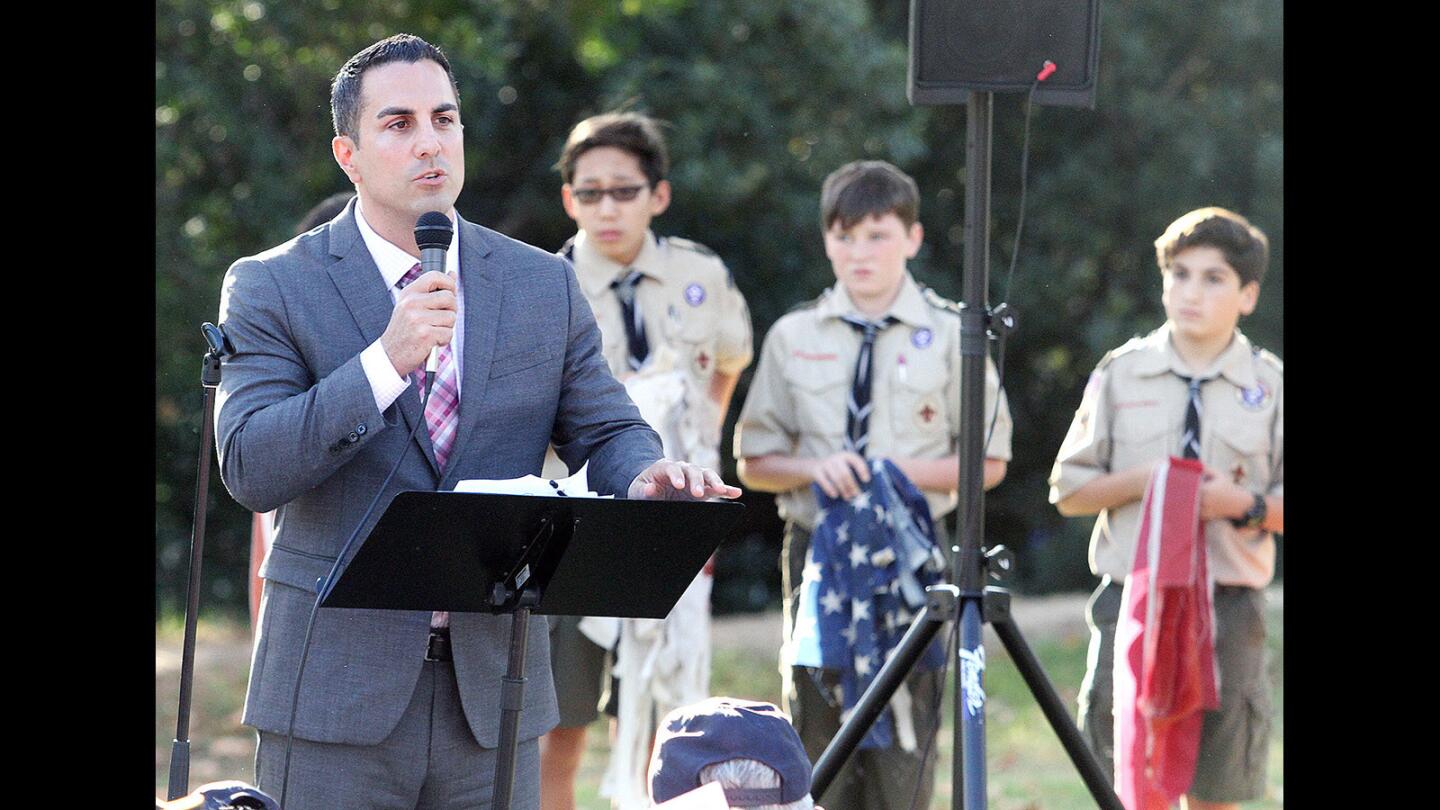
(1165, 670)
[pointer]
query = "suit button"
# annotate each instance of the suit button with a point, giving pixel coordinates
(360, 429)
(353, 437)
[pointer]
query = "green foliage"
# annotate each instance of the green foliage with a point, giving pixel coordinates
(764, 99)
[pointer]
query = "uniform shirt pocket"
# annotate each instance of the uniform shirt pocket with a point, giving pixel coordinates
(1243, 452)
(917, 403)
(1140, 435)
(822, 389)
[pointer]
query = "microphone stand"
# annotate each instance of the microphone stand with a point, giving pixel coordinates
(209, 379)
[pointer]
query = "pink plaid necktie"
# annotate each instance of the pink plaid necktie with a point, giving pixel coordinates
(442, 412)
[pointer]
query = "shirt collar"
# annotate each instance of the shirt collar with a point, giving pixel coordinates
(1236, 363)
(394, 262)
(596, 271)
(909, 306)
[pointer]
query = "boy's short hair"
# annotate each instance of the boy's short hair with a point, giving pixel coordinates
(866, 188)
(632, 132)
(1244, 246)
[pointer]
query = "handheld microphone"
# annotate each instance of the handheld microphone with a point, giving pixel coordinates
(433, 232)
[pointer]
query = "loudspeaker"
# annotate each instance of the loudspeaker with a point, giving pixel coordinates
(957, 46)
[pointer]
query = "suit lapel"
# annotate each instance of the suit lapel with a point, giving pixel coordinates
(370, 304)
(481, 281)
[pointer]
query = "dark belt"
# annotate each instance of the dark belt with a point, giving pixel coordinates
(438, 647)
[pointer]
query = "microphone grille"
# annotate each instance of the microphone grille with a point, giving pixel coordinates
(433, 230)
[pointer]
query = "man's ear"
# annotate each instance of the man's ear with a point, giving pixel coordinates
(343, 148)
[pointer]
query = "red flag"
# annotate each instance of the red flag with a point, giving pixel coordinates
(262, 536)
(1165, 671)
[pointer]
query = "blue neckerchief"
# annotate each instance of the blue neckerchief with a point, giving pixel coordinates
(875, 555)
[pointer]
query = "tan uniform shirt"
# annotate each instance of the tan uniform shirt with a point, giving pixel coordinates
(797, 401)
(1133, 412)
(688, 301)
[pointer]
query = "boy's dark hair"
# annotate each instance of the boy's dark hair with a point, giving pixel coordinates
(324, 211)
(633, 132)
(866, 188)
(1244, 246)
(345, 89)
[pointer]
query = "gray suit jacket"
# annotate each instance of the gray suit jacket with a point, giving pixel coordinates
(297, 429)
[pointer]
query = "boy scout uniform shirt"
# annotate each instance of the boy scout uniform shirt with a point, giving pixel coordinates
(797, 401)
(1133, 412)
(688, 301)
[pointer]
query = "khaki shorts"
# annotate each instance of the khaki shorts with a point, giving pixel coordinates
(1234, 741)
(580, 672)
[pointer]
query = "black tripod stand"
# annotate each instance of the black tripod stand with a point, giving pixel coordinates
(209, 379)
(968, 599)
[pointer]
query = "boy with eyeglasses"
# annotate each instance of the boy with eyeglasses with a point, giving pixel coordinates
(652, 296)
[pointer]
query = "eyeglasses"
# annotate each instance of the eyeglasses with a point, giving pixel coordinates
(586, 196)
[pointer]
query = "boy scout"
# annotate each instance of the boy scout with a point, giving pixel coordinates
(1197, 388)
(650, 295)
(793, 429)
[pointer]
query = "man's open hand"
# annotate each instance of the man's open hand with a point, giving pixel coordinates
(667, 480)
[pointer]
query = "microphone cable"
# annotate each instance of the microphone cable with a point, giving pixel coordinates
(324, 586)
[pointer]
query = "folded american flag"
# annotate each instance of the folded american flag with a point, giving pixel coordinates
(1165, 671)
(871, 558)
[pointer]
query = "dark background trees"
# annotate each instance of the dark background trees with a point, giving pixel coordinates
(764, 99)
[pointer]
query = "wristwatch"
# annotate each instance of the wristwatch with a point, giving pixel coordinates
(1253, 516)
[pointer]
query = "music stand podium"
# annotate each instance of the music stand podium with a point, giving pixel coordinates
(528, 554)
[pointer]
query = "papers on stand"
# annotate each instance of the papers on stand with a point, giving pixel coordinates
(576, 486)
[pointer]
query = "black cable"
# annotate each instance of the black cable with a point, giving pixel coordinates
(999, 386)
(329, 582)
(951, 639)
(1015, 249)
(1024, 183)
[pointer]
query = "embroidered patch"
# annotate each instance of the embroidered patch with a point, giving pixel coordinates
(702, 362)
(1253, 398)
(927, 414)
(694, 295)
(921, 338)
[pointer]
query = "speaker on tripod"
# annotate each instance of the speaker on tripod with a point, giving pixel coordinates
(998, 46)
(963, 52)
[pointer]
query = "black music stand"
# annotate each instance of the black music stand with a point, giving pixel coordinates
(528, 554)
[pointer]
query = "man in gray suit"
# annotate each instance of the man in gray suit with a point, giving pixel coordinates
(400, 709)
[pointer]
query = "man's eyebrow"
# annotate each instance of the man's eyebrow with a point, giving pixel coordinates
(389, 111)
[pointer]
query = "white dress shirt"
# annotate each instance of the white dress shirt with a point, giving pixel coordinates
(394, 263)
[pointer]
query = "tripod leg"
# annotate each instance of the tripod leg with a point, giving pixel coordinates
(1056, 713)
(922, 630)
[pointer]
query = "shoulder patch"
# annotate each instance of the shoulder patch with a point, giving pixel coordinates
(938, 301)
(1127, 347)
(811, 304)
(1268, 358)
(689, 244)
